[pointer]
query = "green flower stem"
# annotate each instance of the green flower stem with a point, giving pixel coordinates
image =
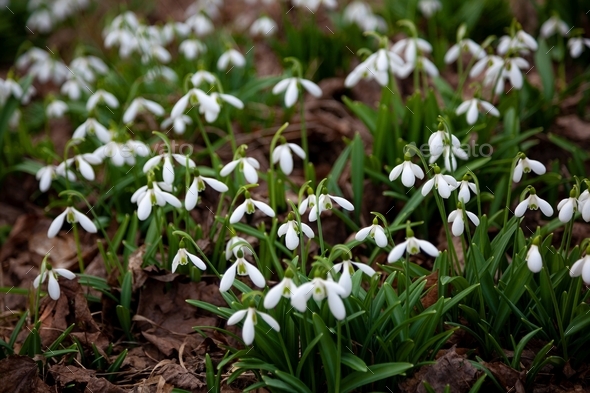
(556, 307)
(509, 190)
(338, 356)
(38, 292)
(207, 143)
(78, 248)
(230, 130)
(303, 126)
(161, 224)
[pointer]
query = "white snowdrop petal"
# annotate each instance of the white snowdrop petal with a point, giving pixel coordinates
(521, 208)
(458, 226)
(56, 224)
(363, 233)
(291, 94)
(274, 295)
(215, 184)
(397, 252)
(238, 213)
(576, 269)
(270, 320)
(586, 273)
(237, 317)
(227, 280)
(336, 306)
(428, 248)
(380, 237)
(248, 329)
(85, 222)
(144, 209)
(250, 173)
(197, 261)
(342, 202)
(228, 168)
(291, 238)
(311, 87)
(53, 287)
(264, 208)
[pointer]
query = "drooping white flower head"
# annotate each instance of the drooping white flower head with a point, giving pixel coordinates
(102, 96)
(236, 244)
(325, 203)
(123, 153)
(250, 320)
(83, 163)
(178, 123)
(73, 87)
(206, 103)
(183, 256)
(412, 246)
(8, 88)
(320, 289)
(243, 268)
(291, 230)
(283, 155)
(583, 205)
(408, 170)
(526, 165)
(313, 5)
(379, 66)
(191, 48)
(347, 268)
(471, 108)
(568, 207)
(53, 285)
(249, 206)
(429, 7)
(211, 112)
(56, 109)
(582, 268)
(153, 194)
(262, 27)
(291, 88)
(554, 25)
(202, 76)
(46, 175)
(197, 186)
(489, 63)
(464, 45)
(139, 105)
(375, 231)
(309, 201)
(412, 50)
(87, 67)
(168, 168)
(533, 257)
(72, 216)
(456, 217)
(92, 126)
(246, 165)
(510, 69)
(285, 289)
(444, 184)
(464, 186)
(200, 24)
(576, 45)
(231, 57)
(533, 202)
(521, 42)
(439, 144)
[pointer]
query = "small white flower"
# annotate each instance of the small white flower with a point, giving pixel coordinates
(487, 63)
(310, 201)
(533, 202)
(465, 45)
(92, 126)
(46, 175)
(439, 144)
(161, 72)
(246, 165)
(325, 203)
(168, 168)
(140, 104)
(197, 186)
(211, 112)
(263, 26)
(583, 205)
(347, 268)
(456, 217)
(526, 165)
(207, 104)
(73, 87)
(375, 231)
(362, 15)
(521, 42)
(378, 66)
(191, 48)
(285, 288)
(533, 259)
(249, 206)
(200, 24)
(101, 96)
(412, 246)
(230, 57)
(122, 153)
(283, 155)
(320, 289)
(87, 66)
(471, 108)
(464, 186)
(53, 285)
(429, 7)
(72, 216)
(444, 184)
(582, 268)
(56, 109)
(291, 85)
(576, 45)
(83, 162)
(250, 320)
(236, 244)
(152, 194)
(409, 172)
(567, 208)
(182, 257)
(413, 50)
(510, 69)
(8, 88)
(313, 5)
(554, 25)
(202, 76)
(243, 268)
(291, 231)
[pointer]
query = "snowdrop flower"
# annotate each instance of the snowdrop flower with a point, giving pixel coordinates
(161, 72)
(249, 206)
(46, 175)
(325, 203)
(92, 126)
(168, 169)
(310, 201)
(243, 268)
(283, 155)
(73, 87)
(408, 170)
(361, 14)
(123, 153)
(246, 165)
(576, 45)
(72, 216)
(313, 5)
(291, 230)
(202, 76)
(41, 20)
(347, 268)
(285, 288)
(526, 165)
(101, 96)
(233, 57)
(140, 104)
(471, 108)
(533, 202)
(444, 184)
(487, 63)
(200, 24)
(411, 48)
(412, 246)
(250, 320)
(191, 48)
(521, 42)
(583, 205)
(31, 57)
(511, 69)
(236, 244)
(291, 85)
(183, 256)
(207, 104)
(582, 267)
(464, 187)
(375, 231)
(212, 112)
(263, 26)
(554, 25)
(568, 207)
(8, 88)
(198, 185)
(439, 144)
(83, 162)
(49, 69)
(151, 50)
(53, 285)
(179, 123)
(88, 66)
(56, 109)
(320, 289)
(377, 66)
(429, 7)
(152, 194)
(456, 217)
(533, 256)
(464, 45)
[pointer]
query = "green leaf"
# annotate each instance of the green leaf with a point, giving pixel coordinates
(366, 114)
(354, 362)
(374, 373)
(545, 69)
(114, 368)
(327, 350)
(357, 173)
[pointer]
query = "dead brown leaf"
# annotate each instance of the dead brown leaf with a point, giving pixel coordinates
(84, 379)
(19, 374)
(506, 376)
